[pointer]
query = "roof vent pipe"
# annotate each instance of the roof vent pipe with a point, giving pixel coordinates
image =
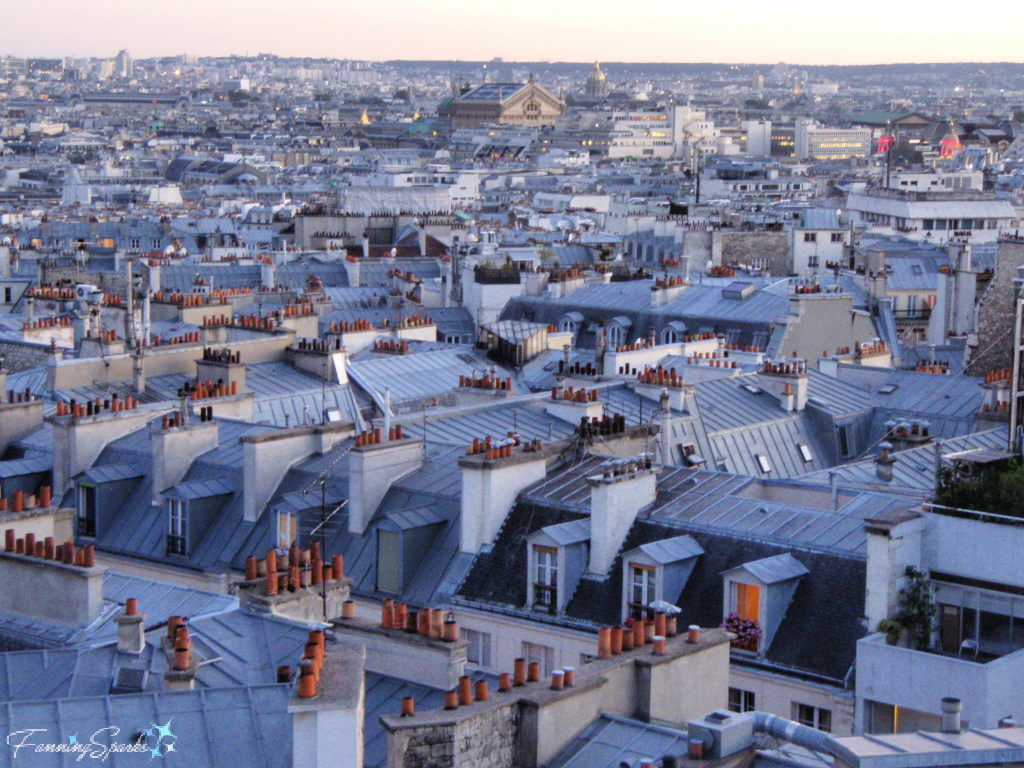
(803, 736)
(951, 708)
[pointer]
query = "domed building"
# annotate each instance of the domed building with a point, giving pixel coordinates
(596, 85)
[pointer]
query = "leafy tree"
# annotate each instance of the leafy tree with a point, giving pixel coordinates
(917, 609)
(1018, 115)
(402, 94)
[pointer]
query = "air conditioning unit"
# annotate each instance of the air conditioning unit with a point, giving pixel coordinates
(90, 293)
(724, 733)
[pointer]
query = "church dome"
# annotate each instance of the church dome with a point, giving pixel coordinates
(596, 82)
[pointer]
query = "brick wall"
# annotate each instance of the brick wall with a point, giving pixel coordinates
(20, 356)
(108, 282)
(747, 246)
(486, 740)
(995, 312)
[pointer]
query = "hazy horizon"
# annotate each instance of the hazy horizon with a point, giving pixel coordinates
(804, 33)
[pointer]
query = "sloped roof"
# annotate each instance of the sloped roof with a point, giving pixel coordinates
(772, 570)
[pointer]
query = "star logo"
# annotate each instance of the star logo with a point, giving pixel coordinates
(164, 740)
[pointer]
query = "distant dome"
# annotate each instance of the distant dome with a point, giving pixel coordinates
(596, 85)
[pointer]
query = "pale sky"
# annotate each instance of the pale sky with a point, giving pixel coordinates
(741, 31)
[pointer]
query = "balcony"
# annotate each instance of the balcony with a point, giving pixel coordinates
(918, 680)
(912, 315)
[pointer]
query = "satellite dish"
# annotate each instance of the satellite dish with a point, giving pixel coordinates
(394, 252)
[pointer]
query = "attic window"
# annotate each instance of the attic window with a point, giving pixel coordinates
(751, 389)
(177, 527)
(805, 452)
(916, 269)
(762, 463)
(888, 389)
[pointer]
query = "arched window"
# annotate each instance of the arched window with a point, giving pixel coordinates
(567, 325)
(669, 336)
(615, 334)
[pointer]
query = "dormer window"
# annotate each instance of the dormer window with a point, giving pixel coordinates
(177, 527)
(757, 596)
(657, 571)
(641, 589)
(86, 509)
(545, 578)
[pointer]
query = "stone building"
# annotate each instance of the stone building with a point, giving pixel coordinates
(507, 104)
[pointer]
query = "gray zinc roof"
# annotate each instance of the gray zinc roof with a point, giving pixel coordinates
(772, 570)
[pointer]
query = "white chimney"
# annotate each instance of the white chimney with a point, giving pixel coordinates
(176, 447)
(894, 543)
(616, 497)
(489, 489)
(131, 630)
(267, 457)
(371, 471)
(327, 728)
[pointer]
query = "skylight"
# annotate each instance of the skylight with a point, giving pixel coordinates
(762, 462)
(805, 452)
(888, 389)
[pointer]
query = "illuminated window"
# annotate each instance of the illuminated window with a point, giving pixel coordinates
(746, 600)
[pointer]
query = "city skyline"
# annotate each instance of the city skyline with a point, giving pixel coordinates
(753, 33)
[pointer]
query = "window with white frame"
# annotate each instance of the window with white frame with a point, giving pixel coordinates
(541, 654)
(669, 336)
(642, 580)
(813, 717)
(177, 527)
(741, 701)
(478, 647)
(616, 335)
(545, 578)
(567, 325)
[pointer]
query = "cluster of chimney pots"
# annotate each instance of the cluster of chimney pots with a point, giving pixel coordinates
(114, 404)
(19, 397)
(294, 570)
(611, 641)
(376, 436)
(47, 549)
(502, 449)
(574, 395)
(485, 382)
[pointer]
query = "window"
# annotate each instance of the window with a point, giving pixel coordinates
(805, 452)
(741, 701)
(810, 237)
(387, 561)
(615, 335)
(929, 224)
(813, 717)
(844, 440)
(837, 237)
(668, 336)
(287, 530)
(541, 654)
(567, 326)
(7, 295)
(641, 589)
(545, 578)
(177, 524)
(746, 600)
(478, 649)
(134, 243)
(86, 509)
(763, 464)
(812, 261)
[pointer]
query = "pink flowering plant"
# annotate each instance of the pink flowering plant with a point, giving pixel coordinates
(747, 631)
